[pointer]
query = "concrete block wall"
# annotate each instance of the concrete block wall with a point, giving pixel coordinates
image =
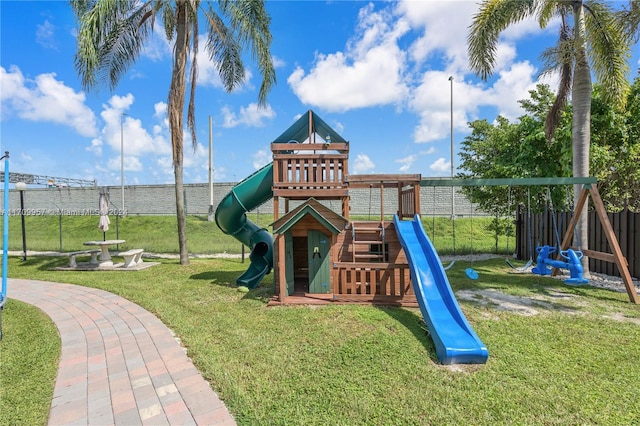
(160, 200)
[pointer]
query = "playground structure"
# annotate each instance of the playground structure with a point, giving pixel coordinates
(588, 188)
(321, 256)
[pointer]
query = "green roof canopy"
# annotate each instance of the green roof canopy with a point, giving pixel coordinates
(305, 127)
(331, 220)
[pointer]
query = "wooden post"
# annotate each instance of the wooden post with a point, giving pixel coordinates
(276, 204)
(617, 257)
(281, 274)
(620, 260)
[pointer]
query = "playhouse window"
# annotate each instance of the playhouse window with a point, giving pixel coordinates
(376, 249)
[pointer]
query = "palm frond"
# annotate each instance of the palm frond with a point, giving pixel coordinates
(560, 59)
(630, 20)
(224, 50)
(609, 50)
(191, 109)
(110, 38)
(249, 22)
(493, 17)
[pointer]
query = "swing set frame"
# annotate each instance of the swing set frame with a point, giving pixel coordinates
(589, 188)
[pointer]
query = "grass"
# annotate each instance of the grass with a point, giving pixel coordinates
(159, 234)
(343, 365)
(29, 354)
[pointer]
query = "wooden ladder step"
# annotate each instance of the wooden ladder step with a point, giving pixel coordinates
(367, 242)
(367, 256)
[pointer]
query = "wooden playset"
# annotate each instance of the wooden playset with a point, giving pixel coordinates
(321, 255)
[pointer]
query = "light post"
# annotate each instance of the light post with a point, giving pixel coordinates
(453, 203)
(453, 189)
(21, 187)
(122, 159)
(451, 129)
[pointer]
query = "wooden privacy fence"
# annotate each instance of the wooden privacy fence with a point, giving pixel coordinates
(625, 224)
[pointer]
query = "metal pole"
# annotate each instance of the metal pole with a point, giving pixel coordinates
(60, 227)
(24, 235)
(5, 237)
(453, 190)
(210, 169)
(452, 150)
(122, 159)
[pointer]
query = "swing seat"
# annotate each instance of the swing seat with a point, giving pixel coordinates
(576, 282)
(471, 273)
(541, 267)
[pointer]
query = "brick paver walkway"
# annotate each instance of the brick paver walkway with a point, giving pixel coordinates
(119, 364)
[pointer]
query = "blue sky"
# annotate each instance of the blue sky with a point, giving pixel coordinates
(377, 72)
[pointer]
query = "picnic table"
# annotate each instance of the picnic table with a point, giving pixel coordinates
(105, 257)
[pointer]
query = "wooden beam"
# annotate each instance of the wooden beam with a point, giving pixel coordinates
(620, 260)
(299, 194)
(280, 148)
(509, 181)
(606, 257)
(381, 180)
(568, 236)
(324, 156)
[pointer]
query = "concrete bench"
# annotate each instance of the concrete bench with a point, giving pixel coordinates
(72, 256)
(131, 257)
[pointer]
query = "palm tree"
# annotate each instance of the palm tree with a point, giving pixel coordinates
(594, 41)
(111, 35)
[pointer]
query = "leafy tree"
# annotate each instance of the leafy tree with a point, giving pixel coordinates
(517, 150)
(520, 150)
(111, 35)
(594, 41)
(616, 149)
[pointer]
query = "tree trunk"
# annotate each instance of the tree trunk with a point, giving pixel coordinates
(175, 109)
(581, 131)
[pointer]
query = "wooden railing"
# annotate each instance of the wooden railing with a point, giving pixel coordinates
(369, 279)
(407, 203)
(314, 171)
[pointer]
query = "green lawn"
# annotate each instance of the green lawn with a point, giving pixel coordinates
(158, 234)
(571, 363)
(29, 354)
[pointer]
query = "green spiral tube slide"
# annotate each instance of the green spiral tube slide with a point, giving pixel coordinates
(231, 218)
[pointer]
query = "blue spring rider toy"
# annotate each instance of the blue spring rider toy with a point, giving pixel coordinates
(573, 264)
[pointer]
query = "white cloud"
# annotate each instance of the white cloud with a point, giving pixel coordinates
(95, 147)
(445, 25)
(362, 164)
(261, 158)
(250, 116)
(45, 99)
(370, 72)
(125, 135)
(156, 47)
(430, 150)
(45, 35)
(513, 84)
(278, 62)
(432, 102)
(406, 162)
(131, 164)
(440, 166)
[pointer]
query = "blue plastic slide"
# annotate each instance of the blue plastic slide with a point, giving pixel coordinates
(454, 339)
